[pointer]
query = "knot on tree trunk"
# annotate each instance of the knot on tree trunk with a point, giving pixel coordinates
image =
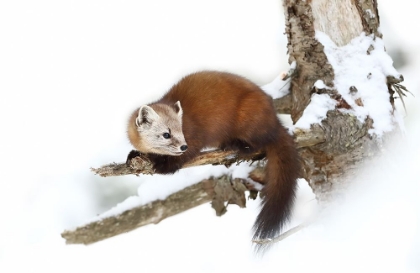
(347, 144)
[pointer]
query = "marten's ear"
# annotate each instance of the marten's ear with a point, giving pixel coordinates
(178, 108)
(146, 115)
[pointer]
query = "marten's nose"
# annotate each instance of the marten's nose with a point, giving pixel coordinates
(184, 148)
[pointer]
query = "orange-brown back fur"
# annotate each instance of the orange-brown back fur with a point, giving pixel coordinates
(227, 111)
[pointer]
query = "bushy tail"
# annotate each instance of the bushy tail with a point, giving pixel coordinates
(281, 171)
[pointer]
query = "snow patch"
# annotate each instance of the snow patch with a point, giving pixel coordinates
(319, 84)
(370, 13)
(363, 65)
(316, 111)
(280, 86)
(208, 149)
(277, 88)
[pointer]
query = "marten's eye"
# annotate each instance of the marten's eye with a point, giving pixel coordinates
(166, 135)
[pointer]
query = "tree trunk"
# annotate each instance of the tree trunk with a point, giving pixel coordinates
(348, 141)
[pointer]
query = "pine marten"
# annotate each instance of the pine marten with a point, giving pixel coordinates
(218, 109)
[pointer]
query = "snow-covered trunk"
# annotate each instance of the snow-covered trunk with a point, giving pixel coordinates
(342, 68)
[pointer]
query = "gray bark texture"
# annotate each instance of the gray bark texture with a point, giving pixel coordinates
(217, 191)
(328, 165)
(331, 152)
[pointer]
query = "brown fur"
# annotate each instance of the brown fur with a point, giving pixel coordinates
(227, 111)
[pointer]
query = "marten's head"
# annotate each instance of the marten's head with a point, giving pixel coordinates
(157, 129)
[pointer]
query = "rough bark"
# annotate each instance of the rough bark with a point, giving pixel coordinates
(218, 191)
(328, 164)
(307, 52)
(284, 104)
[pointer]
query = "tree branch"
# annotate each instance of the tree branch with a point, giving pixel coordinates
(217, 190)
(284, 104)
(142, 165)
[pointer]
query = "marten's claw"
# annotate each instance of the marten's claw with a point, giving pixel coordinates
(131, 155)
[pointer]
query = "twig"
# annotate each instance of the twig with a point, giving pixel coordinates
(282, 236)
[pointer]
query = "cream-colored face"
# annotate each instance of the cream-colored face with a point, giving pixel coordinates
(160, 129)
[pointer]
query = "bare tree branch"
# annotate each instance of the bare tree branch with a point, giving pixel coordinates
(217, 190)
(284, 104)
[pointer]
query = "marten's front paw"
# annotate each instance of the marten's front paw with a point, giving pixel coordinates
(131, 155)
(165, 168)
(164, 164)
